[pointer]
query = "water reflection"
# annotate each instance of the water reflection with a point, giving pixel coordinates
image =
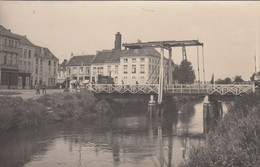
(130, 139)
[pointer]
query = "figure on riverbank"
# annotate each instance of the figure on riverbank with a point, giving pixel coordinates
(43, 88)
(37, 88)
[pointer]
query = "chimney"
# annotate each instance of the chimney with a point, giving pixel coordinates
(118, 41)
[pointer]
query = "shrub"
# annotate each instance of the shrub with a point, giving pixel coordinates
(235, 141)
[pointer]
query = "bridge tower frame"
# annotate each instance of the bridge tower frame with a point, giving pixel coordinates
(168, 46)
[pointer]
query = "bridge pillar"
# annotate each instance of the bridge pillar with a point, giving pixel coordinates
(212, 110)
(161, 80)
(151, 106)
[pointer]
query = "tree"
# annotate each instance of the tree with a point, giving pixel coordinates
(227, 80)
(184, 73)
(238, 79)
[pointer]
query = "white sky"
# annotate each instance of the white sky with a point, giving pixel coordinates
(227, 29)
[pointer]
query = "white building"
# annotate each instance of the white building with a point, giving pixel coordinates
(45, 67)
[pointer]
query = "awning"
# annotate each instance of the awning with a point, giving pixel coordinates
(60, 80)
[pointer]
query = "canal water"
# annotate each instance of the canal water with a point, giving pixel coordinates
(129, 139)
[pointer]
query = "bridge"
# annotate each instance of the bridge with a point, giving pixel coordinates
(174, 89)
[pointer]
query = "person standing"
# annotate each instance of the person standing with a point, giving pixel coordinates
(43, 88)
(37, 87)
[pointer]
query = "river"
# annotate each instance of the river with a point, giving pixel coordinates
(127, 140)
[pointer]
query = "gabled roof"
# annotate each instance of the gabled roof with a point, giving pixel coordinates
(24, 40)
(6, 33)
(62, 66)
(147, 51)
(84, 60)
(44, 53)
(108, 56)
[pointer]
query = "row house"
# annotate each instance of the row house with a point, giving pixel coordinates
(141, 66)
(25, 63)
(62, 73)
(128, 66)
(10, 52)
(78, 68)
(45, 68)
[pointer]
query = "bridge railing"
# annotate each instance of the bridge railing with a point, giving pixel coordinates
(115, 88)
(187, 89)
(217, 89)
(231, 89)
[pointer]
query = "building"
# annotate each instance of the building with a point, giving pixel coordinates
(10, 52)
(78, 68)
(62, 74)
(45, 67)
(140, 66)
(26, 60)
(107, 62)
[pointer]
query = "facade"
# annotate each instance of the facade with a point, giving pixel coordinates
(130, 66)
(106, 63)
(78, 68)
(10, 52)
(62, 72)
(26, 60)
(45, 67)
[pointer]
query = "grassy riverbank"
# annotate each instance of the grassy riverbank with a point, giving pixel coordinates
(48, 109)
(235, 141)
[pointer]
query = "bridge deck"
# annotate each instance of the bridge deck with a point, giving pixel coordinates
(189, 89)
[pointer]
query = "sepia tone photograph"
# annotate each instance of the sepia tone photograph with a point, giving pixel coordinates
(129, 84)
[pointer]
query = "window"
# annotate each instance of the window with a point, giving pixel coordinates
(15, 44)
(133, 60)
(24, 65)
(94, 70)
(101, 71)
(6, 42)
(25, 53)
(20, 65)
(49, 63)
(14, 59)
(37, 61)
(9, 59)
(54, 64)
(150, 69)
(133, 69)
(116, 69)
(29, 66)
(142, 68)
(49, 71)
(74, 70)
(5, 58)
(68, 70)
(142, 60)
(87, 70)
(133, 77)
(81, 70)
(150, 60)
(54, 71)
(29, 54)
(40, 70)
(125, 69)
(125, 77)
(109, 70)
(142, 77)
(125, 60)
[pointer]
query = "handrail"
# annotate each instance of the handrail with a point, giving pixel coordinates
(214, 89)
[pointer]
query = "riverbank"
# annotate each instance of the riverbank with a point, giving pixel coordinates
(236, 139)
(16, 112)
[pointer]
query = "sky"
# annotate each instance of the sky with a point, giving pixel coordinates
(229, 30)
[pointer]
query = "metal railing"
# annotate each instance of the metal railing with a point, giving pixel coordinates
(216, 89)
(133, 89)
